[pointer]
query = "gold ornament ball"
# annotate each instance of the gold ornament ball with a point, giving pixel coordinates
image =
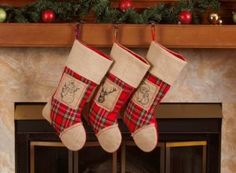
(3, 15)
(234, 16)
(214, 18)
(220, 22)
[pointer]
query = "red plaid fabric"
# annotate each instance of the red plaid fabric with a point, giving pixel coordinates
(136, 117)
(63, 116)
(99, 117)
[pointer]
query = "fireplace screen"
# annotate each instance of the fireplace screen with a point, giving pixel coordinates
(186, 157)
(171, 157)
(48, 157)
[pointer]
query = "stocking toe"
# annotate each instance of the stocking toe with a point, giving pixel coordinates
(74, 137)
(146, 137)
(110, 138)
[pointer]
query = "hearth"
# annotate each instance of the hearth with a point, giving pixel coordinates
(189, 142)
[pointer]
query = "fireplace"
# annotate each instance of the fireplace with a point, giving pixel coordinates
(189, 142)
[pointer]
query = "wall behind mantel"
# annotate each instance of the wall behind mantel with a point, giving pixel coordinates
(30, 74)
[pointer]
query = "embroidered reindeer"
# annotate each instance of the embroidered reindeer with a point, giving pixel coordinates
(68, 92)
(105, 92)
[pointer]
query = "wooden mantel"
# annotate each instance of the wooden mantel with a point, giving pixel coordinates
(100, 35)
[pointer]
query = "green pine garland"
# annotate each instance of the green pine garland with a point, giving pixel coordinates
(66, 11)
(75, 11)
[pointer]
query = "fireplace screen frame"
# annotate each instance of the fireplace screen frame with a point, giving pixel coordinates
(165, 150)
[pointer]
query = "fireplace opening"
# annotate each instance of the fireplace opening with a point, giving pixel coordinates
(189, 142)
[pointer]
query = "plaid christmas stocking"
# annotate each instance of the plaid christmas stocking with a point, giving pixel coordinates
(125, 75)
(84, 70)
(139, 114)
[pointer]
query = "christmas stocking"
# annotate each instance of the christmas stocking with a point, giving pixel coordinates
(84, 70)
(139, 115)
(125, 75)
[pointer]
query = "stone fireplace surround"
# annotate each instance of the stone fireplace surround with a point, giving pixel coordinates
(30, 74)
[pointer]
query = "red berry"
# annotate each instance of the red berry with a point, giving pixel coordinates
(125, 5)
(48, 16)
(185, 17)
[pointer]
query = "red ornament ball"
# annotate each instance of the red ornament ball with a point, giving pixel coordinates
(48, 16)
(125, 5)
(185, 17)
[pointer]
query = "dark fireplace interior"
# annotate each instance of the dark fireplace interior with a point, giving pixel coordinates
(189, 142)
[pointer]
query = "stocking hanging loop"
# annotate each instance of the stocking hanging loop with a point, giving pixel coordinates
(153, 31)
(77, 31)
(115, 32)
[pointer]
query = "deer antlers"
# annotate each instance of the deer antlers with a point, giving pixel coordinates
(104, 93)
